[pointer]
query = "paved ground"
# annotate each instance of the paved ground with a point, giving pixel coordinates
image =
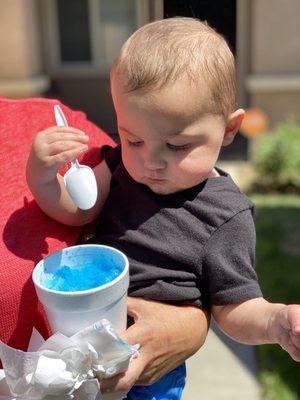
(222, 370)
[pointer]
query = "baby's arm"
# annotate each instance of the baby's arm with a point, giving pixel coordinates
(257, 321)
(231, 280)
(51, 149)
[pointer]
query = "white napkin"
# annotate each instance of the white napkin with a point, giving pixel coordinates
(65, 368)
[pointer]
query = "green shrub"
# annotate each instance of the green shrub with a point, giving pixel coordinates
(277, 159)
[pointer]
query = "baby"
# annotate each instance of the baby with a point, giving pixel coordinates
(185, 226)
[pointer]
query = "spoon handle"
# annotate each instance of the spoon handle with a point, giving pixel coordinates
(61, 120)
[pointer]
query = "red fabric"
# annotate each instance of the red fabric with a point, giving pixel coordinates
(28, 235)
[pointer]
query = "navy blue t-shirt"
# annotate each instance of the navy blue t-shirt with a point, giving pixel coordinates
(196, 246)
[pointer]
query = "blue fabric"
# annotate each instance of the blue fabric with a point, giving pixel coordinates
(169, 387)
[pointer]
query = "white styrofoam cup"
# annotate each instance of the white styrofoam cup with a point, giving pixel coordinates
(69, 312)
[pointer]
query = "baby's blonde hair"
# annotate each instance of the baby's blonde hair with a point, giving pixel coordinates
(171, 49)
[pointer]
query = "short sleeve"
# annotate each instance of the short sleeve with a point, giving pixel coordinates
(112, 156)
(229, 262)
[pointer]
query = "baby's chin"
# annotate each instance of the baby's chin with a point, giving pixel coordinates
(164, 189)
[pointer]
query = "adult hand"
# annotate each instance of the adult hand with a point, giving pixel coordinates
(167, 334)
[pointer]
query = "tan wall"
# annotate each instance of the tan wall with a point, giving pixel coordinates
(275, 36)
(19, 44)
(273, 80)
(20, 49)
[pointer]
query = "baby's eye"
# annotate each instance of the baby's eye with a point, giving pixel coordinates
(178, 147)
(135, 142)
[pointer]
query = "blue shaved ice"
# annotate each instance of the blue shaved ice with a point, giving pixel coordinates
(88, 276)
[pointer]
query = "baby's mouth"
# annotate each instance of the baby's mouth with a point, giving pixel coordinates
(154, 179)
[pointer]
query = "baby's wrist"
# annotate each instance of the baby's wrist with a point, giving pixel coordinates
(37, 174)
(38, 179)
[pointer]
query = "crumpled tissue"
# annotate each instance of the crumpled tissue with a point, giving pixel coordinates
(66, 367)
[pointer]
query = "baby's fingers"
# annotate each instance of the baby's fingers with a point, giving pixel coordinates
(294, 352)
(64, 152)
(55, 134)
(62, 130)
(294, 318)
(295, 339)
(62, 144)
(55, 140)
(287, 343)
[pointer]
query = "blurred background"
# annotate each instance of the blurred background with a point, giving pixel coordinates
(64, 48)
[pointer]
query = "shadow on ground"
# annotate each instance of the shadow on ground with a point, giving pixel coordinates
(246, 354)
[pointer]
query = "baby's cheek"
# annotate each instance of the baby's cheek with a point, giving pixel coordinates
(195, 172)
(190, 166)
(132, 166)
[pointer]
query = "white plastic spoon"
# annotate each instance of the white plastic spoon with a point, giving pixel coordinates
(80, 180)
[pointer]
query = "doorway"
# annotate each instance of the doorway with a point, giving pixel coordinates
(222, 16)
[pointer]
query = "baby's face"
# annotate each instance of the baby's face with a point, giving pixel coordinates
(167, 142)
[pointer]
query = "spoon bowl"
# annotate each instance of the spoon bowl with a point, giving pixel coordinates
(80, 180)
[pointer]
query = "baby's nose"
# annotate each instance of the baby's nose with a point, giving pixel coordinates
(154, 161)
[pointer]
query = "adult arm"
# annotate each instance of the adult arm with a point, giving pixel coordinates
(167, 334)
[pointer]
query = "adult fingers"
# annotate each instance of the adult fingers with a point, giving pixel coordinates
(156, 370)
(137, 307)
(139, 331)
(123, 382)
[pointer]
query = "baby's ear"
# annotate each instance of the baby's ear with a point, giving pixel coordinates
(233, 125)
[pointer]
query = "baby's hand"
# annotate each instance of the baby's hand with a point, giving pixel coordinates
(54, 147)
(285, 328)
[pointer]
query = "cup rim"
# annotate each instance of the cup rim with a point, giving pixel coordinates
(85, 291)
